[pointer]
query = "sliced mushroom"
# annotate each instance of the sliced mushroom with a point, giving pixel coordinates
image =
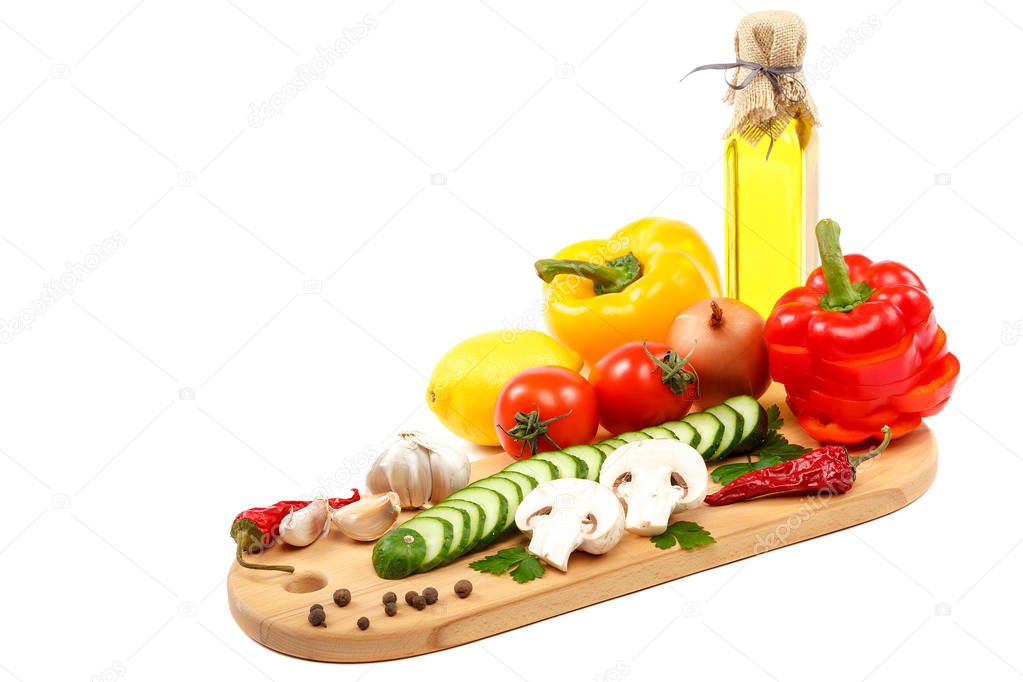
(655, 479)
(566, 514)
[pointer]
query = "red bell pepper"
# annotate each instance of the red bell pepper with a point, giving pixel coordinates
(859, 347)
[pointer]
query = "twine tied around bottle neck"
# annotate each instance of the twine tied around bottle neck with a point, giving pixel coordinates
(795, 92)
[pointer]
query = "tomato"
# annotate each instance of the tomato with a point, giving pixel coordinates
(543, 409)
(632, 390)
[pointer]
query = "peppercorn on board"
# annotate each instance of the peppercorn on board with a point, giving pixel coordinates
(273, 608)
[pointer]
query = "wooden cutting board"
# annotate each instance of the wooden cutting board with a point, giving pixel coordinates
(272, 607)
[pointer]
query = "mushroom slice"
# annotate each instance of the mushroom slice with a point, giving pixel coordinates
(566, 514)
(655, 479)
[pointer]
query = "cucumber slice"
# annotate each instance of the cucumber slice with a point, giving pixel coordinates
(475, 513)
(510, 492)
(568, 466)
(754, 422)
(617, 442)
(525, 483)
(606, 446)
(710, 430)
(399, 553)
(537, 469)
(632, 436)
(659, 432)
(730, 437)
(684, 431)
(495, 510)
(459, 520)
(589, 454)
(438, 536)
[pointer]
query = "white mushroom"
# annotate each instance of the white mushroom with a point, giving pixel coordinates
(567, 514)
(655, 479)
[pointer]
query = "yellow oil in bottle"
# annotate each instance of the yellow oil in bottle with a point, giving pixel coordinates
(770, 214)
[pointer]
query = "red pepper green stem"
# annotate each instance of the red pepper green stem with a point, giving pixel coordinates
(609, 278)
(856, 461)
(843, 294)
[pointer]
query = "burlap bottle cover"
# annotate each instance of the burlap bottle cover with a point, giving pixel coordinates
(767, 88)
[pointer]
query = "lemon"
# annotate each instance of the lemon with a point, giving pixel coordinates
(465, 383)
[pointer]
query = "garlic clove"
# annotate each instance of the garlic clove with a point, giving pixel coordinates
(368, 519)
(302, 527)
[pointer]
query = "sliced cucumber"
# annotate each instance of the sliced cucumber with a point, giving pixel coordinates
(710, 430)
(684, 431)
(589, 454)
(606, 446)
(730, 437)
(537, 469)
(617, 442)
(659, 432)
(525, 483)
(437, 534)
(509, 491)
(754, 422)
(460, 527)
(475, 513)
(632, 436)
(399, 553)
(568, 466)
(495, 510)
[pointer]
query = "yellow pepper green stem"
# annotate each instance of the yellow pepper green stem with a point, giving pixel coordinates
(609, 278)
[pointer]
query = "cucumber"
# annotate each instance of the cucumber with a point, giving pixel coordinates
(399, 553)
(537, 469)
(632, 436)
(659, 432)
(568, 466)
(475, 513)
(525, 483)
(606, 446)
(495, 510)
(589, 454)
(509, 491)
(438, 536)
(684, 431)
(459, 520)
(710, 430)
(730, 437)
(617, 442)
(754, 422)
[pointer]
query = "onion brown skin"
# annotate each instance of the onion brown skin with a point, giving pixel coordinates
(729, 350)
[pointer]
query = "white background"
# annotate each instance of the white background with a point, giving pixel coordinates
(304, 275)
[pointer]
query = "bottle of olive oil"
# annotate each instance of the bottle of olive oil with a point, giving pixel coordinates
(770, 214)
(770, 162)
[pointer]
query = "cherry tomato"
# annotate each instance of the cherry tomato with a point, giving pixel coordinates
(643, 384)
(543, 409)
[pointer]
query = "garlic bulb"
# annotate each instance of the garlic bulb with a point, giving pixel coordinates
(368, 519)
(301, 527)
(419, 469)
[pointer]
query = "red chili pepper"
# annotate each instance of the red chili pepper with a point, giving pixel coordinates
(828, 468)
(858, 347)
(256, 529)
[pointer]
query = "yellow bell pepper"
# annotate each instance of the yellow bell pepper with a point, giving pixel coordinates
(601, 294)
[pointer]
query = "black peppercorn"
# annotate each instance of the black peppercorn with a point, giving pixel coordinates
(463, 588)
(390, 597)
(342, 597)
(317, 616)
(409, 596)
(390, 608)
(363, 623)
(419, 602)
(430, 595)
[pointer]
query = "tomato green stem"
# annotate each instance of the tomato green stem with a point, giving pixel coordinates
(609, 278)
(843, 294)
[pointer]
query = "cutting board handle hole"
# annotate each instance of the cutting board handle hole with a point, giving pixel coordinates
(306, 582)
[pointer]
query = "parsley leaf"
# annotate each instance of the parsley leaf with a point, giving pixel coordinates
(686, 534)
(529, 569)
(525, 567)
(774, 450)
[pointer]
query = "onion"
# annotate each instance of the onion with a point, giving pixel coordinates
(726, 338)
